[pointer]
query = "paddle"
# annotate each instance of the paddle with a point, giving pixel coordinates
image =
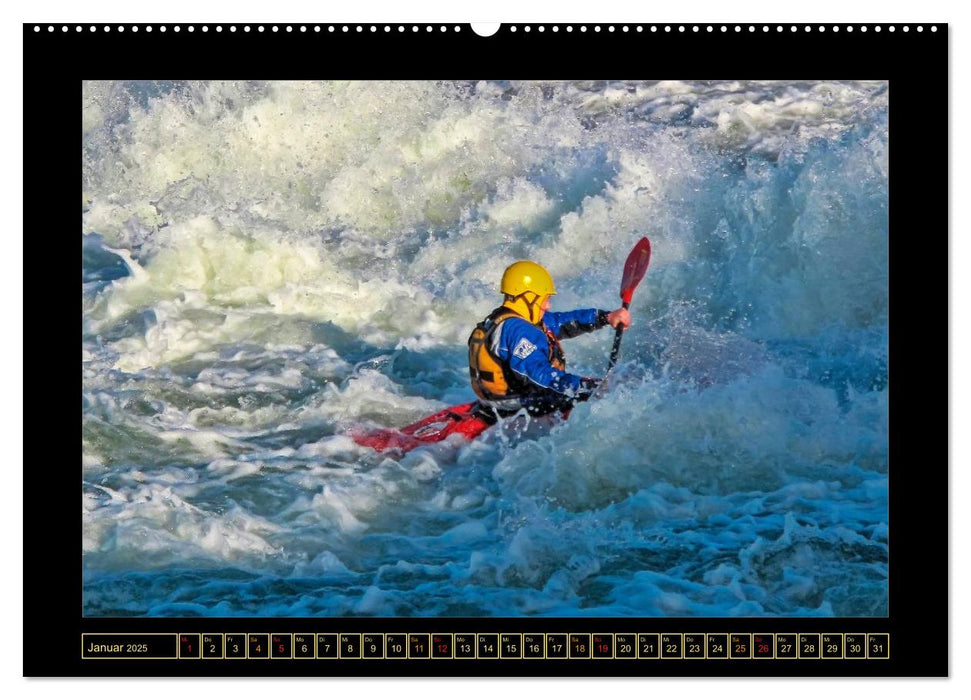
(634, 270)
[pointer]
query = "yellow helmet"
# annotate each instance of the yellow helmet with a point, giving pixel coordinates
(526, 286)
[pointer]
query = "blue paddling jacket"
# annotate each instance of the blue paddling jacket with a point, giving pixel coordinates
(516, 364)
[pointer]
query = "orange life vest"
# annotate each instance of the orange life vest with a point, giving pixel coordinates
(490, 379)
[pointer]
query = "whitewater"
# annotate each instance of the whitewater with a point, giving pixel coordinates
(269, 264)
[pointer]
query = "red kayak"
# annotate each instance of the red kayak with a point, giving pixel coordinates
(457, 420)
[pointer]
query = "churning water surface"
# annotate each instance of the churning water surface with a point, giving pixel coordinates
(267, 264)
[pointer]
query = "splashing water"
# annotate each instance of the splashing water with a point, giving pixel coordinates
(266, 264)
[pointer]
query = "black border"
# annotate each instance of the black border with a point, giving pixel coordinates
(915, 63)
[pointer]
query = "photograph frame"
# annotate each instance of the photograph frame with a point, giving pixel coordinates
(918, 600)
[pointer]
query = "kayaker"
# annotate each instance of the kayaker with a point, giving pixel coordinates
(515, 358)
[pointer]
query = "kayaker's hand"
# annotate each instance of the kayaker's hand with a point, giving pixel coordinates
(619, 319)
(588, 385)
(592, 388)
(601, 389)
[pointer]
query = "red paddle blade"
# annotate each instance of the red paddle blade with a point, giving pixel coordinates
(635, 268)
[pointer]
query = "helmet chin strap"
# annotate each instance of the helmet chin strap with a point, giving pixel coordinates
(531, 305)
(535, 314)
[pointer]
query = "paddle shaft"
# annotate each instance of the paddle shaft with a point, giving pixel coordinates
(615, 352)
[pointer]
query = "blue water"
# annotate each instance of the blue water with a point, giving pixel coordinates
(268, 264)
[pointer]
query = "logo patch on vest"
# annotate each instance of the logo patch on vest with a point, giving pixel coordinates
(524, 349)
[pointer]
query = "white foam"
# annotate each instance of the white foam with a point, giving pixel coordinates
(153, 526)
